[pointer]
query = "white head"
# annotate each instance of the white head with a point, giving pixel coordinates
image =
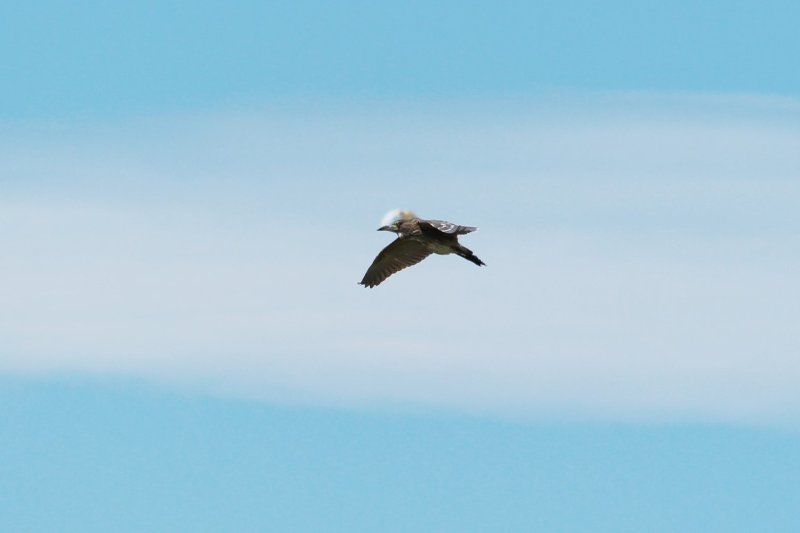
(396, 215)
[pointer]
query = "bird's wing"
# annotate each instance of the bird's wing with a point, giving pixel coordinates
(446, 227)
(400, 253)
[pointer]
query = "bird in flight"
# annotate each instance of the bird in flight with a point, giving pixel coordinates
(416, 240)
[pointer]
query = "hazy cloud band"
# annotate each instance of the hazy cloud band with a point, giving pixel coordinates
(642, 255)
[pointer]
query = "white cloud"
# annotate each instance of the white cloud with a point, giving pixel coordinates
(642, 256)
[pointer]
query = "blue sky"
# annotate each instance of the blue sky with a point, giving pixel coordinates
(189, 196)
(79, 58)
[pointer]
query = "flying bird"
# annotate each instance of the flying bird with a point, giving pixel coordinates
(416, 240)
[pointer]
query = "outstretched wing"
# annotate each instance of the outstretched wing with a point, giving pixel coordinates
(447, 227)
(400, 253)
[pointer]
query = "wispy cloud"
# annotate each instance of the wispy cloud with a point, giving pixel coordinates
(642, 255)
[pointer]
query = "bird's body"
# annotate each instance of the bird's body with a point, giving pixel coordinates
(416, 240)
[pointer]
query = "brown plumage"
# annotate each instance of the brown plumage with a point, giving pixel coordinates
(416, 240)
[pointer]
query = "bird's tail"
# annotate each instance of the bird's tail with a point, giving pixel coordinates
(467, 254)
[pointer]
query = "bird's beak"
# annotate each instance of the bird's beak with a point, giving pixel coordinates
(385, 228)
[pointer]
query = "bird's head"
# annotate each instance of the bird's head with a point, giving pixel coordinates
(391, 221)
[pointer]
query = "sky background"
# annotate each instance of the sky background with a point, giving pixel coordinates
(189, 195)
